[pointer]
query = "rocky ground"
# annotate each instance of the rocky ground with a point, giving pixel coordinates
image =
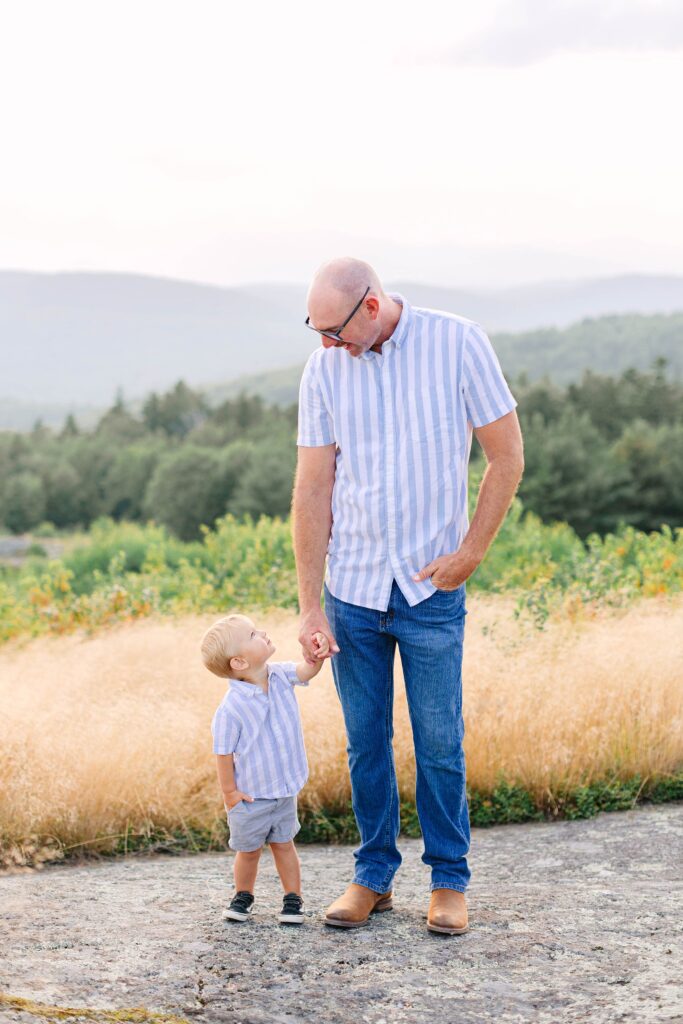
(571, 921)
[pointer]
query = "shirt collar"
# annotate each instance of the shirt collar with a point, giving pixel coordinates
(402, 327)
(249, 688)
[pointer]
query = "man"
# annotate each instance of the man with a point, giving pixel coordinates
(387, 408)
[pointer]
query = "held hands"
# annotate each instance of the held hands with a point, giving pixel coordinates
(235, 797)
(448, 572)
(321, 645)
(315, 626)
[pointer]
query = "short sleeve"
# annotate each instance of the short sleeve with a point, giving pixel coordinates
(288, 669)
(225, 729)
(486, 392)
(316, 427)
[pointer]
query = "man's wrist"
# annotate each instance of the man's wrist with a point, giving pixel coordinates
(470, 554)
(310, 606)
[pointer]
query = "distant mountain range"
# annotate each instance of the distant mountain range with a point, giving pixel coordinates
(607, 345)
(69, 341)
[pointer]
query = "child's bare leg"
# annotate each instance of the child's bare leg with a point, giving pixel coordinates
(246, 868)
(288, 865)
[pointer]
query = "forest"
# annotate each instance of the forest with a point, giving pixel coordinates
(599, 452)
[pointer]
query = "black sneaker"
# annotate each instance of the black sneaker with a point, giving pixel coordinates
(292, 909)
(241, 906)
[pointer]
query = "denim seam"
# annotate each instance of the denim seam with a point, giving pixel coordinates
(447, 885)
(392, 782)
(392, 774)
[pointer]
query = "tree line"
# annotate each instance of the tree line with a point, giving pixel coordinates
(598, 452)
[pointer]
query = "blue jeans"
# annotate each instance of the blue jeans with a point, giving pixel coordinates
(430, 642)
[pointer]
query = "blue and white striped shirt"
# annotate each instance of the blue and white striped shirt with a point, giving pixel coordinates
(264, 733)
(402, 423)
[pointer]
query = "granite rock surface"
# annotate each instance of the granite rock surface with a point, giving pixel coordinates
(569, 921)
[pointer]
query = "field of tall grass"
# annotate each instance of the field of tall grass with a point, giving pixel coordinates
(106, 738)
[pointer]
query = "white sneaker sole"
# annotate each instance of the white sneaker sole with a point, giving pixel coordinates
(291, 918)
(236, 915)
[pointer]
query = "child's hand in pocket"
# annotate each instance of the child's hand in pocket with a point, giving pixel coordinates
(235, 798)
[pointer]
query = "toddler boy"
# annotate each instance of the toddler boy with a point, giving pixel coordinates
(260, 755)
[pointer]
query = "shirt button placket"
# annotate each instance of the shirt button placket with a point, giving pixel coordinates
(389, 452)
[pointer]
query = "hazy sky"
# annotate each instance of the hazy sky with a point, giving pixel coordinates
(231, 142)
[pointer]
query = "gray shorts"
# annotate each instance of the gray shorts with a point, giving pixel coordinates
(263, 821)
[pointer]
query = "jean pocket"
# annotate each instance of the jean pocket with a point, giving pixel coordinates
(456, 592)
(448, 600)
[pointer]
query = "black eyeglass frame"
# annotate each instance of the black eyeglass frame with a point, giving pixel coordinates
(336, 335)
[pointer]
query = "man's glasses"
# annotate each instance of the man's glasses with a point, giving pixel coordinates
(336, 335)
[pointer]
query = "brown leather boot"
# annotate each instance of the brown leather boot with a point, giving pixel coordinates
(447, 912)
(353, 909)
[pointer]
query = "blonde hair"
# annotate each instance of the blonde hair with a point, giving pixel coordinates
(218, 647)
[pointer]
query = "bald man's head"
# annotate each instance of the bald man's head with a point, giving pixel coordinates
(337, 287)
(346, 276)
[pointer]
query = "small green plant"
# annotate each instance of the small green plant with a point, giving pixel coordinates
(506, 804)
(123, 571)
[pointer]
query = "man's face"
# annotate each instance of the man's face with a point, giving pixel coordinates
(328, 312)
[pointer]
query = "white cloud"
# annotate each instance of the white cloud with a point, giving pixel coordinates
(227, 143)
(526, 31)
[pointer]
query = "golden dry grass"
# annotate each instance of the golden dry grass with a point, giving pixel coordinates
(109, 731)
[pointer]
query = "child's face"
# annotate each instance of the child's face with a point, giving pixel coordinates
(252, 643)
